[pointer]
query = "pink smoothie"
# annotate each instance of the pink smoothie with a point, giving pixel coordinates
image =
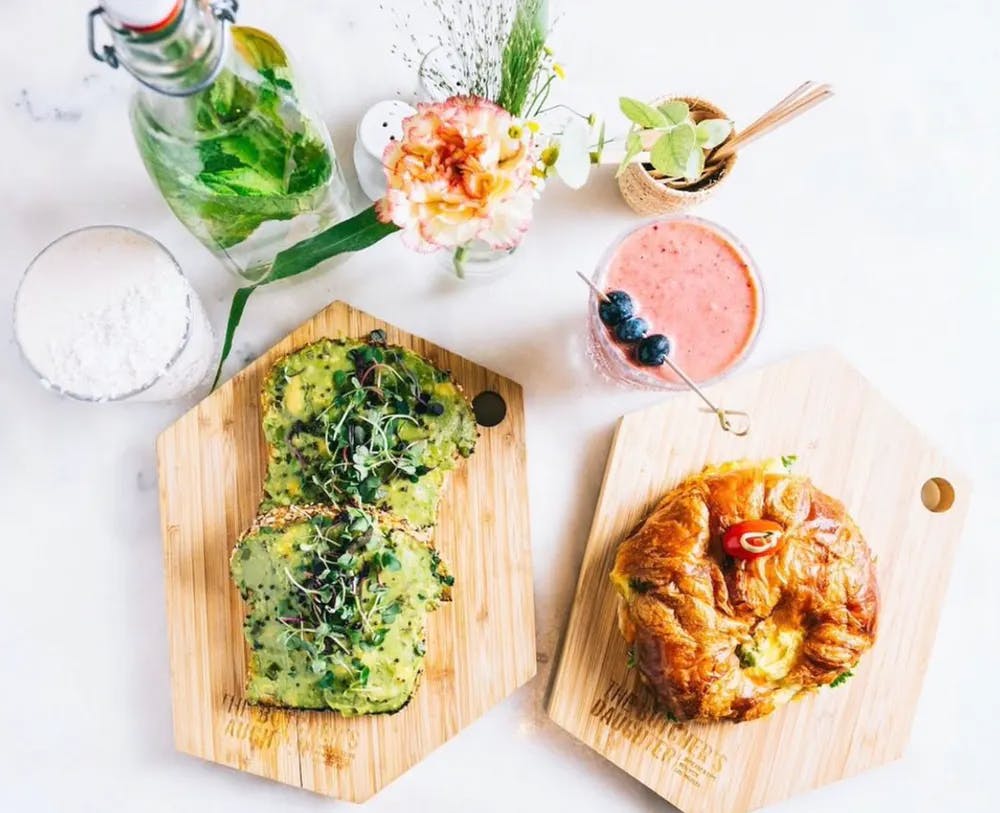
(694, 286)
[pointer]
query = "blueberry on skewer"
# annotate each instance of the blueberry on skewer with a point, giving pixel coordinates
(615, 308)
(632, 330)
(653, 350)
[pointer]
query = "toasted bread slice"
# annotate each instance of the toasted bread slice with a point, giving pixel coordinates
(337, 604)
(363, 423)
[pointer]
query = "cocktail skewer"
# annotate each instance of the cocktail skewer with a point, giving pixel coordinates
(739, 428)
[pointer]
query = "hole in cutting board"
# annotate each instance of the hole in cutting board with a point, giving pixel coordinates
(490, 408)
(937, 495)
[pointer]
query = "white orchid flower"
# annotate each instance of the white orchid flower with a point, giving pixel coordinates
(573, 164)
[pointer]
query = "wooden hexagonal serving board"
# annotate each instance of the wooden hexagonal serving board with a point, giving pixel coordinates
(854, 445)
(480, 647)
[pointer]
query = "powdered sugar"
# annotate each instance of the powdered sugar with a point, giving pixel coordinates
(104, 314)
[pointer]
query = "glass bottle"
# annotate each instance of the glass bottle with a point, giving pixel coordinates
(223, 128)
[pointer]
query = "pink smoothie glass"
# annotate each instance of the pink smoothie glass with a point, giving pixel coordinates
(693, 282)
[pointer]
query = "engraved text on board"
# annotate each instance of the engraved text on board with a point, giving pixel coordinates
(633, 715)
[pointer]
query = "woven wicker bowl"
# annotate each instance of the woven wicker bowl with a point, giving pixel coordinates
(648, 196)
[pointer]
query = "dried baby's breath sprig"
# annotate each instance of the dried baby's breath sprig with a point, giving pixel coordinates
(462, 51)
(493, 49)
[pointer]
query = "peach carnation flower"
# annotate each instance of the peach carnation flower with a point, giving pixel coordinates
(463, 171)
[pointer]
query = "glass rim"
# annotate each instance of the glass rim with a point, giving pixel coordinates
(612, 349)
(174, 358)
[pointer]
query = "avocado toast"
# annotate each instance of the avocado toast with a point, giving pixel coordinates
(337, 603)
(362, 422)
(337, 571)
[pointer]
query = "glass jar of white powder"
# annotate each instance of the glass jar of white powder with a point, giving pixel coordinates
(105, 314)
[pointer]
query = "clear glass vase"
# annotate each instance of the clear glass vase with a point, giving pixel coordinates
(477, 261)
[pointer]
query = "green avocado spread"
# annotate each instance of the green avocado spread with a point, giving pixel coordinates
(363, 423)
(337, 607)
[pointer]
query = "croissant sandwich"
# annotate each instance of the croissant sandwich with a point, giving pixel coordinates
(745, 588)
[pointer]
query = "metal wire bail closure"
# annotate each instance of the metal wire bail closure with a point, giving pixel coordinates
(224, 11)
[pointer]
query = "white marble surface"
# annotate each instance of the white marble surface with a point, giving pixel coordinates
(874, 221)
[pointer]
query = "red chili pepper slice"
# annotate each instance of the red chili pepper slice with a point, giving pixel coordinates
(752, 538)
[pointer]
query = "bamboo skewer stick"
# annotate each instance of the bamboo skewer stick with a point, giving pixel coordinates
(769, 122)
(796, 110)
(803, 91)
(795, 104)
(809, 84)
(796, 94)
(780, 116)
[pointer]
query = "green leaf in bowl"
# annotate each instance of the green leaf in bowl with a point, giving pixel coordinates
(671, 154)
(633, 146)
(642, 114)
(695, 165)
(712, 132)
(676, 111)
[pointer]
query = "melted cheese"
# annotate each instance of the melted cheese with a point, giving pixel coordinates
(776, 651)
(771, 465)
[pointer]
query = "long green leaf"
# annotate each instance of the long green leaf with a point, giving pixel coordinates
(682, 141)
(235, 314)
(695, 165)
(354, 234)
(662, 158)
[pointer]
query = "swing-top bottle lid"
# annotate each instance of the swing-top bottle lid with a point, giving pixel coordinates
(143, 15)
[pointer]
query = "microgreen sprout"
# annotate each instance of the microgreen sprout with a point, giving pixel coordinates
(341, 597)
(357, 443)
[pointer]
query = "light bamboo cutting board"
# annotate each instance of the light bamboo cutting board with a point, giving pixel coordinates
(480, 647)
(854, 445)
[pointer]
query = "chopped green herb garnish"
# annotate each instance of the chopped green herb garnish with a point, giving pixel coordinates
(788, 460)
(747, 656)
(640, 585)
(841, 679)
(630, 659)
